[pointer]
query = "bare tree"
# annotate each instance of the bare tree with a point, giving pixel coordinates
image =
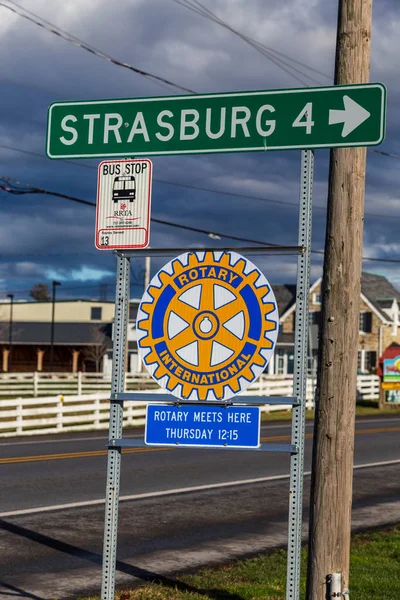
(4, 333)
(40, 292)
(97, 349)
(4, 325)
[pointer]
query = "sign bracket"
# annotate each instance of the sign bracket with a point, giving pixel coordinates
(246, 250)
(134, 443)
(300, 377)
(242, 399)
(115, 429)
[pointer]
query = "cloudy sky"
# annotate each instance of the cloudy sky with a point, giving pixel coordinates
(254, 195)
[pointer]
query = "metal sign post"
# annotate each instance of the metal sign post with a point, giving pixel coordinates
(118, 396)
(300, 377)
(115, 429)
(160, 435)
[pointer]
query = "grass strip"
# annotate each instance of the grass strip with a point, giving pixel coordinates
(374, 573)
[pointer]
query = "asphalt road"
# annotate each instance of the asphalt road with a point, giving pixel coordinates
(52, 511)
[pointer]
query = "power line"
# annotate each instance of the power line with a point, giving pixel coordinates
(265, 53)
(278, 58)
(46, 255)
(42, 156)
(213, 190)
(78, 287)
(12, 189)
(174, 183)
(204, 12)
(50, 27)
(213, 234)
(260, 199)
(219, 21)
(383, 260)
(271, 54)
(386, 154)
(69, 288)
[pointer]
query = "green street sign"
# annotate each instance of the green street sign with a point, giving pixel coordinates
(326, 117)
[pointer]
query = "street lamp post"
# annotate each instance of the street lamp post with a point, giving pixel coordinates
(11, 296)
(54, 284)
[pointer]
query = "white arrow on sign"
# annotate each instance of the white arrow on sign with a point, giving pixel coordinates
(352, 116)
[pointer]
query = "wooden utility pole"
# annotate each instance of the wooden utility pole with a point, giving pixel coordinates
(331, 484)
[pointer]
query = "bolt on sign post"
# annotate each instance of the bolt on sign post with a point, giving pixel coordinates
(208, 321)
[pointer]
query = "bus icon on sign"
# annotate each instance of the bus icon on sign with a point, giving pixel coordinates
(124, 188)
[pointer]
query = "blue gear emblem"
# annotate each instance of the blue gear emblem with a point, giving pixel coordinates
(207, 325)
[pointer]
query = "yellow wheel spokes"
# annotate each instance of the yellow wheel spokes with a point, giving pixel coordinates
(184, 310)
(226, 338)
(181, 340)
(207, 295)
(206, 319)
(198, 347)
(225, 313)
(205, 348)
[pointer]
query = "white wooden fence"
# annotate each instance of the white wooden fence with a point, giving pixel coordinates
(82, 412)
(367, 387)
(50, 384)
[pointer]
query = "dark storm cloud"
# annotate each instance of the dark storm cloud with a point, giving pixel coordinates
(38, 68)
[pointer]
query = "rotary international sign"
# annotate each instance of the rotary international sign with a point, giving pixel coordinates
(207, 325)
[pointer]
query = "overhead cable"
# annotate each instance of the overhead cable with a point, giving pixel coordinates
(212, 190)
(283, 61)
(68, 37)
(387, 154)
(12, 189)
(6, 185)
(278, 58)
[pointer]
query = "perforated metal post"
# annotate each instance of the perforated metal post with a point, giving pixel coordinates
(300, 377)
(115, 430)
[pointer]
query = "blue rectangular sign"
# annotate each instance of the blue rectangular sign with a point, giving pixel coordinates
(205, 426)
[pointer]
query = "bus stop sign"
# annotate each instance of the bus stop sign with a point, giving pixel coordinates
(123, 204)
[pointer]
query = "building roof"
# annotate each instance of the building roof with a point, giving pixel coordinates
(79, 334)
(379, 291)
(285, 296)
(385, 303)
(134, 301)
(377, 287)
(285, 339)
